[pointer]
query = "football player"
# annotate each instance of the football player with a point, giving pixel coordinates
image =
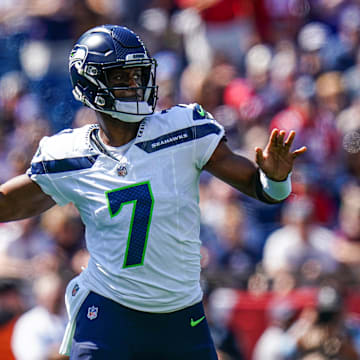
(134, 178)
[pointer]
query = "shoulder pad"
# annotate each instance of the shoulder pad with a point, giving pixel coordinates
(64, 144)
(66, 131)
(199, 113)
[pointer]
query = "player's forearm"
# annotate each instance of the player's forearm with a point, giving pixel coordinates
(9, 209)
(6, 209)
(21, 198)
(243, 174)
(236, 171)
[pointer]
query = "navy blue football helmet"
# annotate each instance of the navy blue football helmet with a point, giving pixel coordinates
(102, 49)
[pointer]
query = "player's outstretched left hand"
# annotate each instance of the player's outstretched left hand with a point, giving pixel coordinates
(276, 160)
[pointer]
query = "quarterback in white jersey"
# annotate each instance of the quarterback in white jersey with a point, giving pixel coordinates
(139, 206)
(134, 178)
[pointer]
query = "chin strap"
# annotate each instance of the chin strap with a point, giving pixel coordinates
(130, 118)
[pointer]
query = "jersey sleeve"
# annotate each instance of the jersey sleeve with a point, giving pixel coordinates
(38, 173)
(208, 133)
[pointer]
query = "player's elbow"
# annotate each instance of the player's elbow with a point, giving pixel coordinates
(7, 209)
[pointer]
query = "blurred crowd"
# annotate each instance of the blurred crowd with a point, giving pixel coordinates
(255, 65)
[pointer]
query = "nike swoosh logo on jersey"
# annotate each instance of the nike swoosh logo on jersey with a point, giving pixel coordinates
(196, 322)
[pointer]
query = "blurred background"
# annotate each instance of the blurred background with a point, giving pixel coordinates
(272, 274)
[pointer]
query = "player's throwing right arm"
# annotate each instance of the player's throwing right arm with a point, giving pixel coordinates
(21, 198)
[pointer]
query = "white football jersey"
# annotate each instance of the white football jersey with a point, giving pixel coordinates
(139, 205)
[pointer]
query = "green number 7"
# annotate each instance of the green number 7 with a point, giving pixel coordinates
(141, 197)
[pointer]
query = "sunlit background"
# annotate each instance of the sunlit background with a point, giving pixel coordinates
(270, 273)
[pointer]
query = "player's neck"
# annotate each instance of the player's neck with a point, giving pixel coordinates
(116, 133)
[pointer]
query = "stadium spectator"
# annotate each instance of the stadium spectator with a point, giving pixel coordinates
(38, 332)
(65, 229)
(11, 307)
(300, 247)
(347, 120)
(325, 330)
(347, 245)
(237, 262)
(277, 21)
(275, 340)
(25, 249)
(229, 26)
(309, 183)
(219, 305)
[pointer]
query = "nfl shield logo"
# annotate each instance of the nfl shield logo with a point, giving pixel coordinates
(75, 290)
(92, 312)
(121, 170)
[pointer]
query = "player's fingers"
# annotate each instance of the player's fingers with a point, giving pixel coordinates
(298, 152)
(290, 139)
(259, 156)
(280, 139)
(274, 137)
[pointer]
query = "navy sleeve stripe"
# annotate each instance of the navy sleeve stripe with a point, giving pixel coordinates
(178, 137)
(62, 165)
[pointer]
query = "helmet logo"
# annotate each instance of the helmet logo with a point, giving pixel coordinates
(78, 53)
